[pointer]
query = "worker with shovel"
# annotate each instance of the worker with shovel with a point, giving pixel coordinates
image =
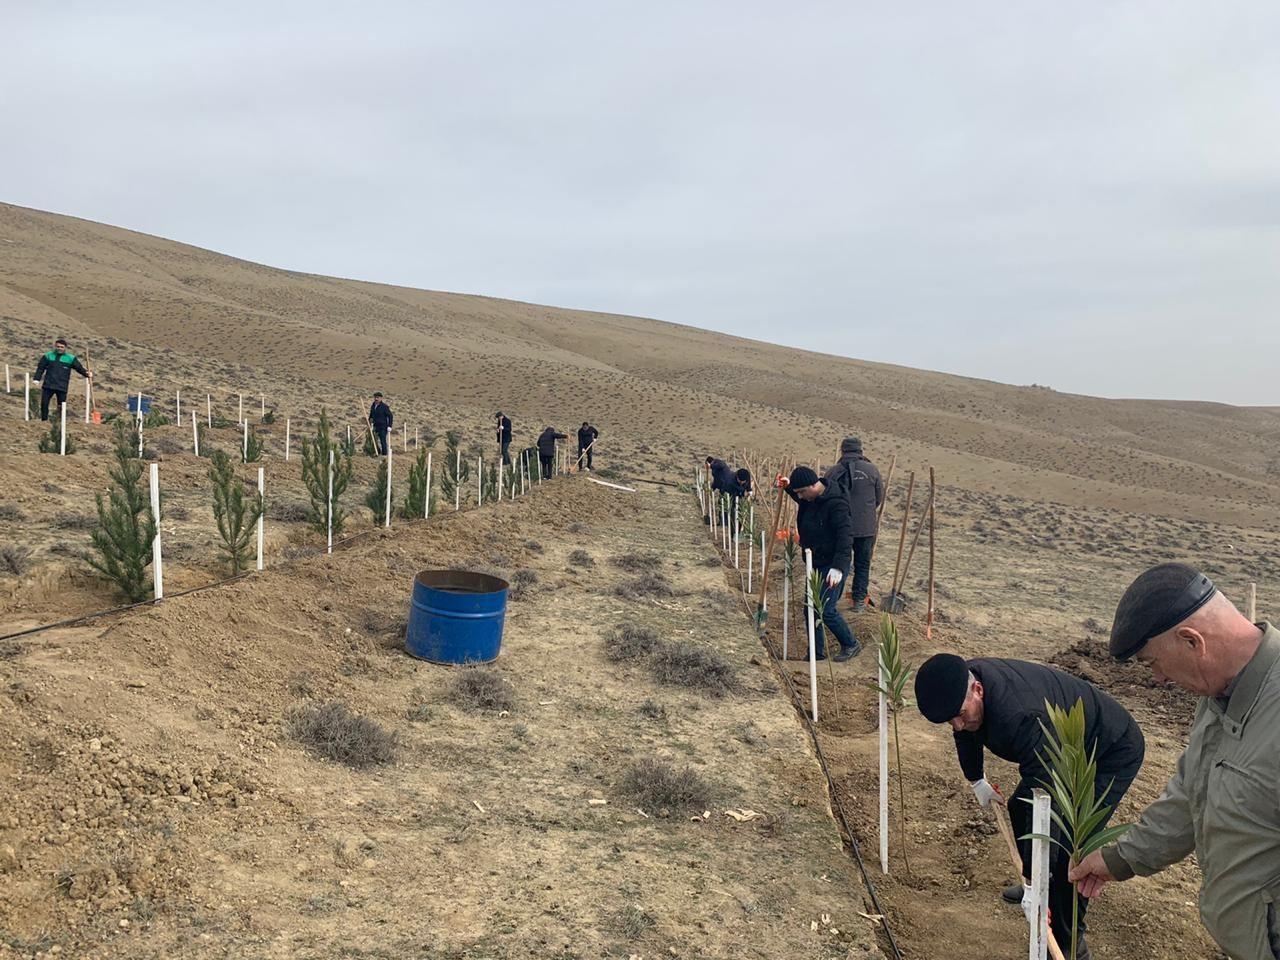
(822, 520)
(380, 418)
(1000, 705)
(860, 482)
(54, 373)
(504, 436)
(586, 442)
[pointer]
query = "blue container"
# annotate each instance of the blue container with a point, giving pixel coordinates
(456, 616)
(132, 404)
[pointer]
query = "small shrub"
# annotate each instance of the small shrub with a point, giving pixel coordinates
(177, 512)
(629, 642)
(686, 664)
(420, 709)
(122, 539)
(51, 442)
(236, 511)
(521, 582)
(653, 710)
(154, 419)
(74, 521)
(639, 561)
(15, 559)
(9, 512)
(269, 416)
(580, 558)
(480, 688)
(576, 527)
(302, 684)
(657, 785)
(376, 498)
(287, 511)
(632, 922)
(533, 546)
(650, 584)
(333, 731)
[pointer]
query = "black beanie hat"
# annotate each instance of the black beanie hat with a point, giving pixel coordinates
(802, 477)
(850, 445)
(942, 682)
(1158, 600)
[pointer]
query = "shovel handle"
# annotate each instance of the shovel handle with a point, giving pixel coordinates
(1015, 858)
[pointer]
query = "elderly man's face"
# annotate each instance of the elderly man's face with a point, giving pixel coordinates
(811, 492)
(1178, 656)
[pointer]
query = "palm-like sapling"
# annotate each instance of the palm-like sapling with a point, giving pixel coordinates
(894, 674)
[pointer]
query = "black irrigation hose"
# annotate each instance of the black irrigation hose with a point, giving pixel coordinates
(113, 611)
(836, 806)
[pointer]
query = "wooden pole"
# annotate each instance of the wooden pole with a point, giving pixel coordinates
(924, 518)
(157, 559)
(888, 478)
(767, 553)
(902, 540)
(1251, 603)
(261, 515)
(1015, 859)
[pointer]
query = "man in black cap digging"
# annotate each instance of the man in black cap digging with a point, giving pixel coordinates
(1000, 705)
(859, 481)
(822, 520)
(1223, 802)
(504, 436)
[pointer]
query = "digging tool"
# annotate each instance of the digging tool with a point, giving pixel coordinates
(1015, 858)
(372, 436)
(96, 415)
(888, 479)
(761, 612)
(577, 464)
(893, 603)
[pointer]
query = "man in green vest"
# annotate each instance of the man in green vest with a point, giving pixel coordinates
(54, 373)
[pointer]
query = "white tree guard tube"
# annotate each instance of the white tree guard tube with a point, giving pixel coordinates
(786, 610)
(195, 433)
(26, 396)
(457, 483)
(139, 410)
(1040, 824)
(737, 532)
(762, 557)
(6, 379)
(809, 600)
(139, 439)
(157, 558)
(479, 483)
(404, 436)
(264, 406)
(329, 513)
(208, 410)
(261, 515)
(884, 763)
(62, 443)
(426, 497)
(177, 407)
(286, 438)
(245, 448)
(88, 399)
(751, 562)
(240, 410)
(387, 519)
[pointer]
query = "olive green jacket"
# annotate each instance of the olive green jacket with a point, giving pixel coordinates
(1223, 803)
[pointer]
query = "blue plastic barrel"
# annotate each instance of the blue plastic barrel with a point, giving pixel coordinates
(456, 616)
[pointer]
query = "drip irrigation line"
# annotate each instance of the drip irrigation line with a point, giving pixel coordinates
(116, 611)
(836, 806)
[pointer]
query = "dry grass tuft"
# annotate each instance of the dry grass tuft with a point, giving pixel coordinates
(333, 731)
(638, 561)
(479, 689)
(629, 642)
(14, 559)
(648, 584)
(580, 558)
(686, 664)
(657, 785)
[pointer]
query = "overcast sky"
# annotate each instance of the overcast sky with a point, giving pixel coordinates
(1084, 195)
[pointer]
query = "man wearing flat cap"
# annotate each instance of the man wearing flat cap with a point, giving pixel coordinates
(859, 481)
(1223, 802)
(1000, 705)
(822, 521)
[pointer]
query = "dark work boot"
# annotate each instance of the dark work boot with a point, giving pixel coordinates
(847, 653)
(1012, 894)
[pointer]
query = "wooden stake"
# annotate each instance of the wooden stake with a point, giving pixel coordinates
(1015, 859)
(902, 540)
(924, 517)
(888, 479)
(1251, 603)
(767, 553)
(157, 559)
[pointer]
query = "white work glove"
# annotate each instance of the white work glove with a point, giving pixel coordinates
(1028, 910)
(834, 577)
(986, 793)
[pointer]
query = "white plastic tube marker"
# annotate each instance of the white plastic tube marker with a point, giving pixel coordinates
(195, 433)
(387, 521)
(286, 438)
(62, 444)
(330, 502)
(426, 497)
(457, 483)
(261, 515)
(157, 557)
(809, 601)
(26, 396)
(1040, 827)
(208, 411)
(884, 765)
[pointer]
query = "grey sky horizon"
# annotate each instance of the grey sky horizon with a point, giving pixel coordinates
(1083, 196)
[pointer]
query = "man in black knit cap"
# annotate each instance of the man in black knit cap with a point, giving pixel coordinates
(822, 521)
(1223, 801)
(999, 705)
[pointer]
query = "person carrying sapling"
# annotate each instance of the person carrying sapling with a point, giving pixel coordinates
(822, 520)
(999, 705)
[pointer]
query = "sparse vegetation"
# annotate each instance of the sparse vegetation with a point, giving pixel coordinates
(480, 688)
(522, 582)
(236, 512)
(14, 559)
(656, 785)
(629, 642)
(51, 442)
(316, 454)
(687, 664)
(652, 709)
(639, 561)
(415, 498)
(334, 732)
(648, 584)
(580, 558)
(376, 499)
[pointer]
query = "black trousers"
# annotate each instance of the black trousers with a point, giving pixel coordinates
(584, 457)
(45, 394)
(1116, 772)
(506, 454)
(382, 439)
(547, 464)
(862, 550)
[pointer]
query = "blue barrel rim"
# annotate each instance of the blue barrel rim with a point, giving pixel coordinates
(467, 580)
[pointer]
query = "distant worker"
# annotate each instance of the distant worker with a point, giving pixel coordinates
(822, 520)
(54, 373)
(1223, 801)
(504, 436)
(586, 437)
(859, 481)
(999, 705)
(740, 485)
(721, 474)
(381, 417)
(547, 450)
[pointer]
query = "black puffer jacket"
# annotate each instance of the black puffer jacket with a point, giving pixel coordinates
(55, 370)
(858, 481)
(823, 525)
(547, 441)
(380, 415)
(721, 475)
